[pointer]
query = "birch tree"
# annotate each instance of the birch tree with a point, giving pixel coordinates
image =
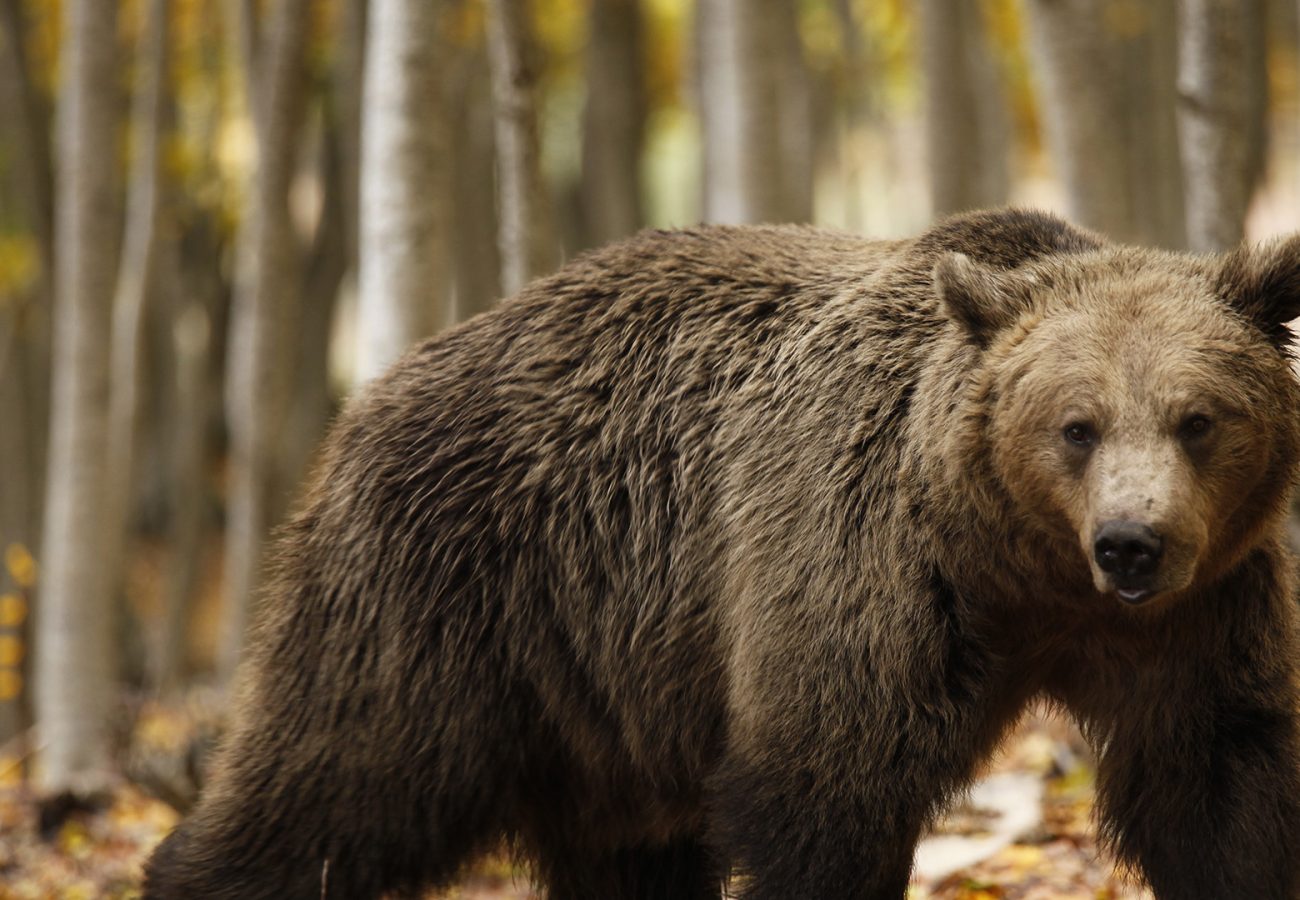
(528, 246)
(474, 152)
(404, 182)
(739, 51)
(613, 128)
(1079, 93)
(965, 110)
(1220, 117)
(135, 281)
(266, 284)
(75, 662)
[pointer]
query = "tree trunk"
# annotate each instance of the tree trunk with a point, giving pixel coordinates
(528, 245)
(403, 182)
(1220, 116)
(33, 132)
(188, 276)
(739, 53)
(26, 113)
(1080, 98)
(798, 122)
(965, 114)
(474, 150)
(327, 263)
(266, 286)
(135, 285)
(1149, 57)
(613, 125)
(75, 633)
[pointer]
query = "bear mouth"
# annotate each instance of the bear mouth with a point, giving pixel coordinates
(1133, 596)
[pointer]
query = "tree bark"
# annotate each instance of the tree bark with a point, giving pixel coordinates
(528, 245)
(75, 671)
(798, 122)
(403, 182)
(135, 285)
(33, 133)
(966, 115)
(1149, 57)
(1080, 98)
(1220, 116)
(266, 287)
(613, 125)
(739, 57)
(189, 277)
(474, 150)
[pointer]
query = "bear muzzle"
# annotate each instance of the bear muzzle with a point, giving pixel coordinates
(1129, 553)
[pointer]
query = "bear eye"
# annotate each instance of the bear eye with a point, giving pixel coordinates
(1194, 426)
(1081, 434)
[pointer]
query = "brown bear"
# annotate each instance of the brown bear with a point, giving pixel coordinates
(731, 552)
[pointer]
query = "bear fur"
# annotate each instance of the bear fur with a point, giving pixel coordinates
(732, 552)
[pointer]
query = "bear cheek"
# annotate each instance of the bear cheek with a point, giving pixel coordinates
(1046, 488)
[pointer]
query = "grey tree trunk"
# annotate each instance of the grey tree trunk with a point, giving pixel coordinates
(528, 245)
(1106, 91)
(474, 239)
(34, 160)
(266, 286)
(403, 182)
(613, 126)
(135, 284)
(739, 56)
(1220, 117)
(796, 101)
(27, 117)
(1149, 60)
(966, 112)
(1080, 97)
(75, 672)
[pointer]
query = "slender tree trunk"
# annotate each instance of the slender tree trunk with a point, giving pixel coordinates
(739, 57)
(26, 114)
(1149, 59)
(966, 117)
(135, 285)
(1220, 116)
(188, 278)
(323, 273)
(403, 182)
(1080, 96)
(34, 160)
(266, 287)
(797, 103)
(474, 239)
(613, 126)
(75, 661)
(528, 245)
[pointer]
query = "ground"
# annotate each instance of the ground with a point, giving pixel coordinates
(1025, 834)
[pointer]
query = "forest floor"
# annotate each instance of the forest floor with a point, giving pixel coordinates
(1026, 833)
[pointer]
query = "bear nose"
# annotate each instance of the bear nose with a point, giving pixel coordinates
(1127, 549)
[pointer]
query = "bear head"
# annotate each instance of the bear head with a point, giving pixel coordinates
(1139, 403)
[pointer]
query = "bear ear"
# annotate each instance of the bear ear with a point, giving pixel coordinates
(1263, 284)
(981, 300)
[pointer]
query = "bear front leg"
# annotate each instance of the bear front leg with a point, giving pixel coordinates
(791, 838)
(839, 753)
(1199, 778)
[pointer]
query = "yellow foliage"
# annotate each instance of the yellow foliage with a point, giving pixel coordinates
(21, 565)
(18, 263)
(11, 650)
(11, 684)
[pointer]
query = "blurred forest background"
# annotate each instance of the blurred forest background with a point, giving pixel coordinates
(219, 216)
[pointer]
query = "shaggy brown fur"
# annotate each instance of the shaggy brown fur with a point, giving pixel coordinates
(735, 550)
